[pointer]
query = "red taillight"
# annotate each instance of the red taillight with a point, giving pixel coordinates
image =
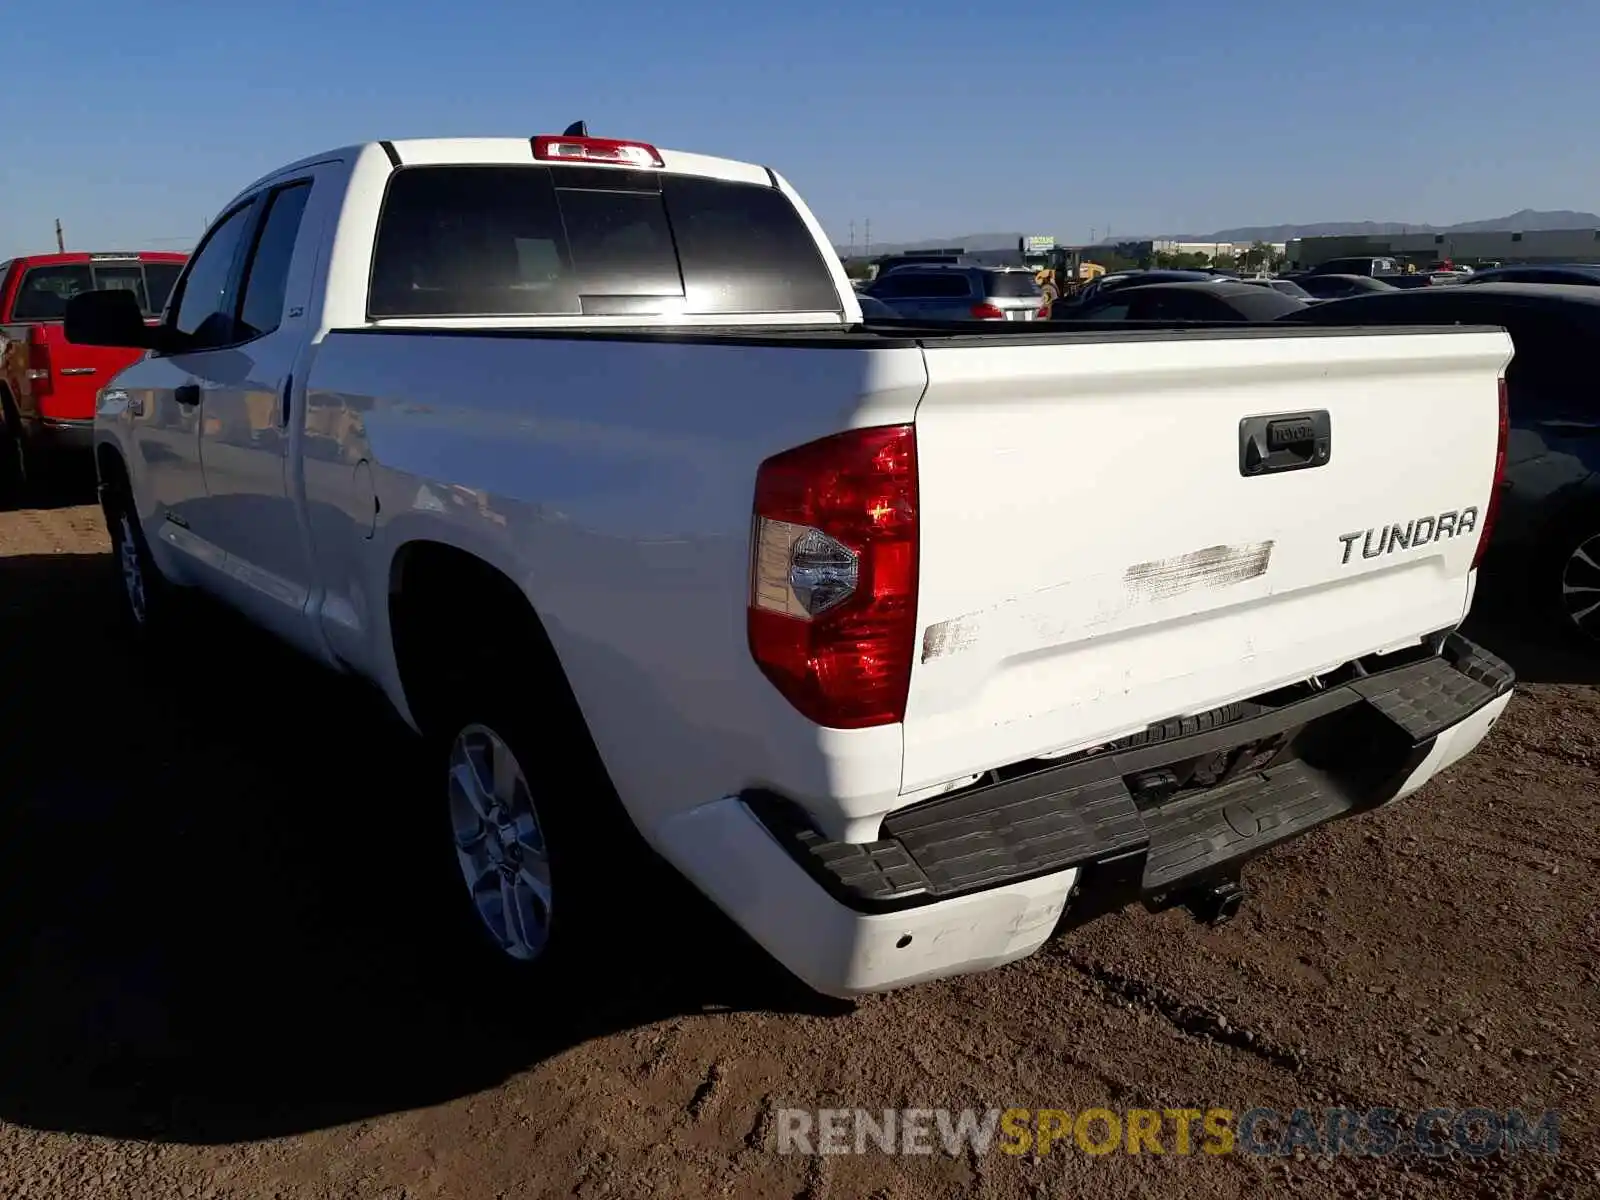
(1492, 508)
(596, 150)
(987, 312)
(1043, 313)
(833, 577)
(38, 363)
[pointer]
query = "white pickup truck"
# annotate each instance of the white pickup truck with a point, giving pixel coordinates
(907, 645)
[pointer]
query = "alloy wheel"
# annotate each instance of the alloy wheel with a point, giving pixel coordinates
(133, 580)
(1580, 586)
(499, 842)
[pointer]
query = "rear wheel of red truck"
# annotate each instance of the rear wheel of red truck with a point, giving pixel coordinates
(14, 462)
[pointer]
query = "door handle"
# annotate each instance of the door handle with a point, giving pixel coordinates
(187, 394)
(1284, 442)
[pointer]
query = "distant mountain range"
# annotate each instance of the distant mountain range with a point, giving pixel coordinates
(1526, 221)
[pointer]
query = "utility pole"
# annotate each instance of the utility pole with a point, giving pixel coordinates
(868, 251)
(61, 242)
(852, 237)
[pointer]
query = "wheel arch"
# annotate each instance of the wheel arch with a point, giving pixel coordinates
(109, 463)
(437, 588)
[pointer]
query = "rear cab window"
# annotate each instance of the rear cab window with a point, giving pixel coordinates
(907, 284)
(1013, 285)
(464, 241)
(43, 292)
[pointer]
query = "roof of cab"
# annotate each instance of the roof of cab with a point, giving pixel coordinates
(512, 151)
(75, 257)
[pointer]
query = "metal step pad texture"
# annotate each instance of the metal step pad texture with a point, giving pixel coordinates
(1188, 836)
(1021, 829)
(1429, 697)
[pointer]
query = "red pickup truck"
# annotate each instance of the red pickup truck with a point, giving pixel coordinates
(48, 385)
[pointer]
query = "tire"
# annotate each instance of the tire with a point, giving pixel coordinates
(146, 600)
(14, 458)
(531, 847)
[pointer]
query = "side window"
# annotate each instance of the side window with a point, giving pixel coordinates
(1152, 308)
(267, 276)
(940, 285)
(202, 300)
(1115, 310)
(44, 292)
(912, 284)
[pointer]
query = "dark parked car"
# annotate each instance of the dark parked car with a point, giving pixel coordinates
(942, 292)
(873, 309)
(1336, 287)
(1362, 264)
(1585, 275)
(1223, 300)
(1546, 540)
(1118, 280)
(1287, 287)
(1370, 266)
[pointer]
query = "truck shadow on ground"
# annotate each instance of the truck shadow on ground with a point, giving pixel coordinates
(210, 928)
(64, 487)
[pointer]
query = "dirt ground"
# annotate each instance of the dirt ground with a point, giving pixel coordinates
(214, 979)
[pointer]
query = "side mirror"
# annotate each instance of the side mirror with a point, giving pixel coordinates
(108, 318)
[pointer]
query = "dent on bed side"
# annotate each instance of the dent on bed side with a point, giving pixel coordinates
(1142, 583)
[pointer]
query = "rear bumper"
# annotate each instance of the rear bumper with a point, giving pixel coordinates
(984, 877)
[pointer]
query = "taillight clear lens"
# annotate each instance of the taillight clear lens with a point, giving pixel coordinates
(801, 571)
(1492, 509)
(38, 371)
(832, 615)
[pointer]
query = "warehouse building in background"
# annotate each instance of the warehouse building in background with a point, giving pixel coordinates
(1534, 246)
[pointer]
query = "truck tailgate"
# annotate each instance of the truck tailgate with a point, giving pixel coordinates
(1099, 550)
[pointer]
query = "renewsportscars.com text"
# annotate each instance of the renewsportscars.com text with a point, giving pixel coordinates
(1373, 1133)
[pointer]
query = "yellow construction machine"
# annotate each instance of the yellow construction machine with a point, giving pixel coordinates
(1061, 272)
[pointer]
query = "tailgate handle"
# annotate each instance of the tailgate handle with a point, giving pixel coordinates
(1278, 442)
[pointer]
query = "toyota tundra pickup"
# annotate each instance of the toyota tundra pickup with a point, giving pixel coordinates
(908, 645)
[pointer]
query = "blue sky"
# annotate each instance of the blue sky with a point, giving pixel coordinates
(132, 122)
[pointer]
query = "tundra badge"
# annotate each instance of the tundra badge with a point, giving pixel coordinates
(1422, 531)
